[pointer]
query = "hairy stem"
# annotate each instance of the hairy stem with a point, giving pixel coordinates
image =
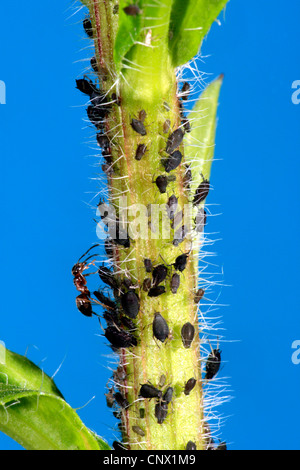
(147, 82)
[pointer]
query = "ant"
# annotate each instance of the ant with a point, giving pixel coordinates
(83, 301)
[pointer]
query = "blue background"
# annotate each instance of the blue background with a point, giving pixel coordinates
(46, 166)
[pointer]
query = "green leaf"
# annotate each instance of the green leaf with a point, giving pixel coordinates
(151, 25)
(24, 374)
(190, 22)
(200, 142)
(128, 32)
(34, 413)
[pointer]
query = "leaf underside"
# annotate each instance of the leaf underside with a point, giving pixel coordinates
(200, 143)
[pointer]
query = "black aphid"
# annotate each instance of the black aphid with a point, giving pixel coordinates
(186, 124)
(166, 126)
(98, 110)
(86, 86)
(121, 237)
(187, 334)
(83, 303)
(189, 385)
(116, 99)
(210, 444)
(178, 217)
(142, 413)
(105, 301)
(117, 415)
(175, 283)
(88, 28)
(200, 220)
(174, 140)
(103, 72)
(110, 397)
(106, 214)
(162, 183)
(173, 161)
(106, 153)
(221, 446)
(118, 446)
(172, 205)
(161, 412)
(138, 127)
(187, 179)
(128, 323)
(140, 151)
(119, 374)
(147, 283)
(159, 274)
(180, 235)
(156, 291)
(142, 115)
(168, 395)
(201, 192)
(100, 102)
(111, 318)
(95, 116)
(109, 247)
(160, 328)
(127, 282)
(185, 89)
(121, 400)
(94, 64)
(180, 262)
(107, 169)
(213, 364)
(103, 142)
(149, 391)
(125, 242)
(198, 296)
(132, 10)
(148, 265)
(191, 446)
(138, 431)
(162, 380)
(119, 338)
(181, 108)
(107, 276)
(171, 178)
(130, 303)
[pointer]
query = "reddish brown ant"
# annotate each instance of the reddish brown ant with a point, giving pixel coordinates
(83, 301)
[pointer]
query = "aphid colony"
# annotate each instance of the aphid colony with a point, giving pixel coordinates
(122, 314)
(97, 111)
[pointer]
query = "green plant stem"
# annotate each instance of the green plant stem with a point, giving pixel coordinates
(148, 83)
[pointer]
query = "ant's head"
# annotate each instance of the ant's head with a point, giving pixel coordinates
(80, 265)
(78, 268)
